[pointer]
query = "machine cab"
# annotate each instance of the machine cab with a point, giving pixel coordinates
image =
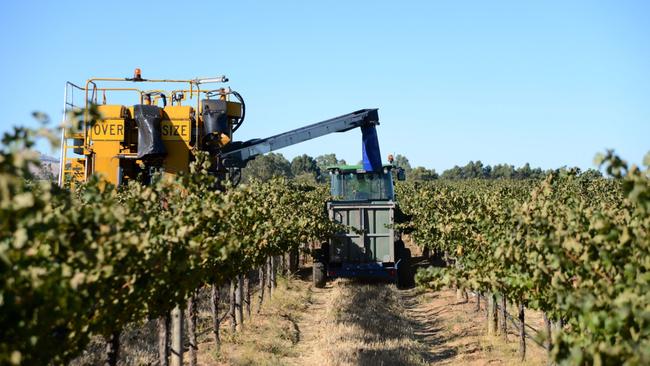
(353, 183)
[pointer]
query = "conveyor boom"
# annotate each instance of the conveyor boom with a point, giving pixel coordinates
(238, 153)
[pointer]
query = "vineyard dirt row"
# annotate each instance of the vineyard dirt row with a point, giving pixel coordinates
(363, 323)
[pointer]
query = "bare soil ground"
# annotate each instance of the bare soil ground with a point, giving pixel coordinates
(270, 337)
(346, 323)
(455, 333)
(361, 323)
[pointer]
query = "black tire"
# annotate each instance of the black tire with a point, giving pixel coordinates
(319, 276)
(399, 248)
(325, 252)
(404, 274)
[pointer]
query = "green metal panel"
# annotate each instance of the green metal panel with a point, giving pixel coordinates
(381, 221)
(370, 237)
(383, 250)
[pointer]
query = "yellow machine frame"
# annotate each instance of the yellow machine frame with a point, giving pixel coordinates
(106, 143)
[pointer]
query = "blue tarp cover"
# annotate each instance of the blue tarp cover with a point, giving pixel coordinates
(370, 149)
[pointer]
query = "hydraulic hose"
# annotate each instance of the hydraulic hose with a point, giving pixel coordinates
(243, 110)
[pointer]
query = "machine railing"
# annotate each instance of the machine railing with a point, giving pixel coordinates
(68, 131)
(76, 144)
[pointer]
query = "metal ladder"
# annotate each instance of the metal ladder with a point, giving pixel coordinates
(73, 168)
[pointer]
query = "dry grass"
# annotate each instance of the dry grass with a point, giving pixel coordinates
(346, 323)
(269, 337)
(138, 346)
(366, 326)
(456, 334)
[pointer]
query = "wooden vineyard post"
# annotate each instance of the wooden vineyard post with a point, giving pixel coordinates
(522, 333)
(247, 293)
(504, 317)
(163, 339)
(191, 328)
(216, 319)
(478, 301)
(487, 311)
(112, 349)
(177, 337)
(274, 272)
(459, 295)
(486, 299)
(284, 268)
(233, 305)
(492, 314)
(269, 271)
(547, 327)
(239, 311)
(262, 285)
(459, 291)
(293, 260)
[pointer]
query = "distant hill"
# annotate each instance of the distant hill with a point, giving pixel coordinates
(48, 159)
(49, 169)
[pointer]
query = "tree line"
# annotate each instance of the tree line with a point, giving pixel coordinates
(307, 169)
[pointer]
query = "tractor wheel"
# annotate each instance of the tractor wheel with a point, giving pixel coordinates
(399, 248)
(325, 252)
(319, 276)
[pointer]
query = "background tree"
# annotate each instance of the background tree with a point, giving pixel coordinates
(422, 174)
(304, 164)
(267, 166)
(305, 169)
(524, 172)
(591, 174)
(323, 161)
(473, 170)
(476, 170)
(402, 162)
(454, 173)
(504, 171)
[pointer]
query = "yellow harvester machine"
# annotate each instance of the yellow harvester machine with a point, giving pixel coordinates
(122, 141)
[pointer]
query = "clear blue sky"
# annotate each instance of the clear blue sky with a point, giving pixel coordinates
(545, 82)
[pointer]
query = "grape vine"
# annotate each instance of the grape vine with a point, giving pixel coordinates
(574, 246)
(87, 262)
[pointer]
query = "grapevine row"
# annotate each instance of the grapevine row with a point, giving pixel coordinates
(573, 246)
(88, 262)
